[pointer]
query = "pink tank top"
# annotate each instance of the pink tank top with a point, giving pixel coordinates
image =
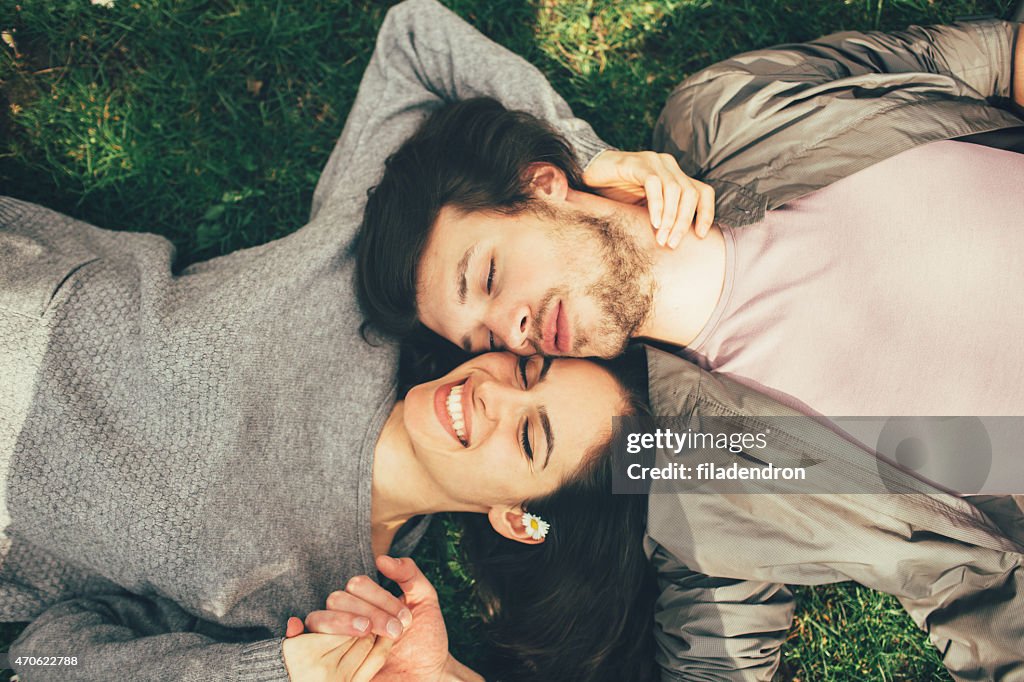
(896, 291)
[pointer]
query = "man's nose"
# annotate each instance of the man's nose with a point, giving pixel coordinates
(513, 327)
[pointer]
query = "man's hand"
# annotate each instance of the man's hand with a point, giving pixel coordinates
(675, 201)
(334, 658)
(421, 653)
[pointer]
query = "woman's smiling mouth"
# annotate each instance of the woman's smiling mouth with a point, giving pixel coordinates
(450, 403)
(454, 405)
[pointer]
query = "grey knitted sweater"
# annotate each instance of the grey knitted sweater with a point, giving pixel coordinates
(189, 455)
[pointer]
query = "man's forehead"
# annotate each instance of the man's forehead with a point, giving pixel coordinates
(453, 243)
(439, 283)
(442, 248)
(453, 221)
(451, 237)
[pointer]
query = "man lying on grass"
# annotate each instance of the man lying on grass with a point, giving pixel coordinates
(869, 231)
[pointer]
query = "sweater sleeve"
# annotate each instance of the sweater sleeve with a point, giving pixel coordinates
(136, 638)
(425, 55)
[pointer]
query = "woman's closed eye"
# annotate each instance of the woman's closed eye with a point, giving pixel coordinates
(525, 442)
(524, 435)
(521, 366)
(528, 438)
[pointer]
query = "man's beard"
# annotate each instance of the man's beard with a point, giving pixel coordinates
(623, 287)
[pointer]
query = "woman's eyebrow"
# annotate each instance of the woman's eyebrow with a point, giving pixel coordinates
(544, 369)
(545, 422)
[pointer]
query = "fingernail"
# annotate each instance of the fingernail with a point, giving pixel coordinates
(662, 236)
(675, 242)
(394, 628)
(405, 615)
(361, 623)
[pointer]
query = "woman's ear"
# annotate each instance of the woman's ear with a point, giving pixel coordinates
(508, 522)
(548, 182)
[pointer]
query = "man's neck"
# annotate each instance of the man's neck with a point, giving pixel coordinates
(688, 279)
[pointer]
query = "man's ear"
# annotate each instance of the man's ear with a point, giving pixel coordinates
(548, 182)
(508, 522)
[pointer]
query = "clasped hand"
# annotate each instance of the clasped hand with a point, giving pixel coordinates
(366, 633)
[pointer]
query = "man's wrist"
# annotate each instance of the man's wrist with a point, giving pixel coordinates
(457, 672)
(607, 150)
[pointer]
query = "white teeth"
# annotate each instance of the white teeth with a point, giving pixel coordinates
(454, 405)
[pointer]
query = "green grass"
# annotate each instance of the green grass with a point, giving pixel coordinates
(848, 632)
(208, 122)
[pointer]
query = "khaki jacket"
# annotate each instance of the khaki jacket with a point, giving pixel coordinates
(764, 128)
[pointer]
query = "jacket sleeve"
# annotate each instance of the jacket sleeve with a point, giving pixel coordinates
(978, 54)
(128, 637)
(426, 55)
(711, 629)
(812, 113)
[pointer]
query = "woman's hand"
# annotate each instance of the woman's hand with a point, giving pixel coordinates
(421, 653)
(675, 201)
(334, 658)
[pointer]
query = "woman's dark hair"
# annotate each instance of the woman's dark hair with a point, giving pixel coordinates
(472, 155)
(425, 356)
(580, 605)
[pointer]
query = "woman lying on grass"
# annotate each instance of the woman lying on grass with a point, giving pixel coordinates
(185, 563)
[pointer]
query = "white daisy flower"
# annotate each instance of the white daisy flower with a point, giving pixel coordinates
(536, 527)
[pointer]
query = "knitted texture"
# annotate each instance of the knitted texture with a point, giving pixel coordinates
(198, 437)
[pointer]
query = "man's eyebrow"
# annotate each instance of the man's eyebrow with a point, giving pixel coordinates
(546, 425)
(461, 285)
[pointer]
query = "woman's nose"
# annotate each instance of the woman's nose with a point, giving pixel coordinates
(496, 399)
